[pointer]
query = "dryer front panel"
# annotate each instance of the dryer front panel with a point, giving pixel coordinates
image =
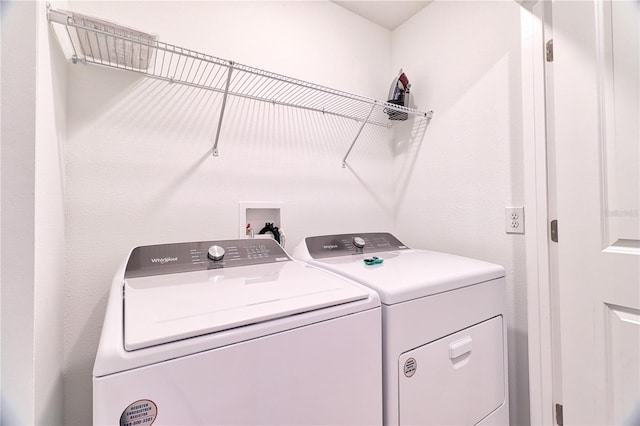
(458, 379)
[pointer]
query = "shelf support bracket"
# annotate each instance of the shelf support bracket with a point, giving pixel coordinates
(222, 108)
(364, 123)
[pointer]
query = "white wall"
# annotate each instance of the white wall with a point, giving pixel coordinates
(453, 184)
(18, 204)
(49, 244)
(138, 163)
(32, 226)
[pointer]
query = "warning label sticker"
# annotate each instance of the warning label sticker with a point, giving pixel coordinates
(142, 412)
(410, 367)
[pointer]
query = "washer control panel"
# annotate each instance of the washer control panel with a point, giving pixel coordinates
(349, 244)
(202, 255)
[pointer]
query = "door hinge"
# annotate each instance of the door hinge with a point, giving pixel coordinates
(559, 418)
(554, 230)
(549, 50)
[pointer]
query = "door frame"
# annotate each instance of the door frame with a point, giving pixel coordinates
(538, 182)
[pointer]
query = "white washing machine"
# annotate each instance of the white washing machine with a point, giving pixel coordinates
(444, 332)
(236, 332)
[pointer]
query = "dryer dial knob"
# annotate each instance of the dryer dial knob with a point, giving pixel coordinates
(358, 242)
(215, 253)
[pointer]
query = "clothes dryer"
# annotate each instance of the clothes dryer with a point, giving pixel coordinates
(236, 332)
(444, 330)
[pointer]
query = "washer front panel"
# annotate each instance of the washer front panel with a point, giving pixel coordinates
(288, 377)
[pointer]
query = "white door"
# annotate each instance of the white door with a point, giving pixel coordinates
(596, 99)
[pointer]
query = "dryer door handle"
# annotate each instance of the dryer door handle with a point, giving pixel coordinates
(460, 347)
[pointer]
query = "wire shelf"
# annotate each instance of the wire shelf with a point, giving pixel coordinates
(105, 43)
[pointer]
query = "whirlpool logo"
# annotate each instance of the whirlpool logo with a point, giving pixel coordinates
(330, 247)
(163, 260)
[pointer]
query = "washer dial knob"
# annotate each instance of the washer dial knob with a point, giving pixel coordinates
(215, 253)
(358, 242)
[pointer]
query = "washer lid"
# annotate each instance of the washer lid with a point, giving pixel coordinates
(164, 308)
(409, 274)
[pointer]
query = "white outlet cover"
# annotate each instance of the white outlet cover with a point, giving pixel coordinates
(514, 220)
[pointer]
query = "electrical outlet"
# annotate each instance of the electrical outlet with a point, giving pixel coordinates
(514, 220)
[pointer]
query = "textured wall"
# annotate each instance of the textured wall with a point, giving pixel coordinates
(18, 206)
(49, 247)
(32, 218)
(454, 180)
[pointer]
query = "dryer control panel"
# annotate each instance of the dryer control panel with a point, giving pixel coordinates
(174, 258)
(349, 244)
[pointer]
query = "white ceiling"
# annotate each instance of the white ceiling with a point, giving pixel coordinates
(388, 13)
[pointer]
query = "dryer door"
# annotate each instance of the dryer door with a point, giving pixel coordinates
(456, 380)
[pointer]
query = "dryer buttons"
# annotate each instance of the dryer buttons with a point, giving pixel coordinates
(410, 367)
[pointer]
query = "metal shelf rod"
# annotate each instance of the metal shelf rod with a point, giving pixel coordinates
(364, 123)
(222, 108)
